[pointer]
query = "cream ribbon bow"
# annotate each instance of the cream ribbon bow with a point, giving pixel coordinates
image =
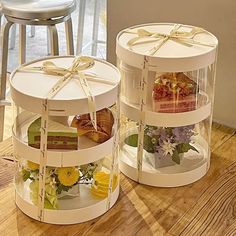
(77, 71)
(186, 38)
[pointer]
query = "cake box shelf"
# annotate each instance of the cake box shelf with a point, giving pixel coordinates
(167, 96)
(76, 178)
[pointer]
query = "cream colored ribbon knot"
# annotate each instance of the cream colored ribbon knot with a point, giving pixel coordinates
(183, 37)
(78, 66)
(77, 71)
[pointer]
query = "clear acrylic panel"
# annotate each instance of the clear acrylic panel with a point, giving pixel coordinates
(66, 188)
(168, 92)
(167, 150)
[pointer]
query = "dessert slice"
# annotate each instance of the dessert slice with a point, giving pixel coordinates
(101, 184)
(59, 135)
(105, 121)
(173, 93)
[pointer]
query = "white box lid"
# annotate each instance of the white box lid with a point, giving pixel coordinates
(29, 89)
(172, 56)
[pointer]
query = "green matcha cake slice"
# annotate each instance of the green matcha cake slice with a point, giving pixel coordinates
(59, 135)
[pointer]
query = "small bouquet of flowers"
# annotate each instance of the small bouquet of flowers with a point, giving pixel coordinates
(60, 181)
(167, 144)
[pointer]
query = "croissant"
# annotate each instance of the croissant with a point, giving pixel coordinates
(105, 121)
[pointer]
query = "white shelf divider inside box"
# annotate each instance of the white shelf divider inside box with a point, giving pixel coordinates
(94, 209)
(166, 119)
(58, 158)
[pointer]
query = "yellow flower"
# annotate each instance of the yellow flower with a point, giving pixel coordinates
(32, 166)
(68, 176)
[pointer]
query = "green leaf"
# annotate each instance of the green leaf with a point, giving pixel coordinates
(148, 145)
(26, 174)
(132, 140)
(193, 148)
(168, 130)
(176, 157)
(61, 188)
(185, 147)
(48, 205)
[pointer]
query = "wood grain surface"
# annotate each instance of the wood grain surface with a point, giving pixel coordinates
(206, 207)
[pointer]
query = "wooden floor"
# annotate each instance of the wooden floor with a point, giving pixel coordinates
(207, 207)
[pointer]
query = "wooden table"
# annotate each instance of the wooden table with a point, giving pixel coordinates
(207, 207)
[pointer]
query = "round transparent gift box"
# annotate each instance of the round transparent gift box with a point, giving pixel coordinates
(67, 168)
(167, 95)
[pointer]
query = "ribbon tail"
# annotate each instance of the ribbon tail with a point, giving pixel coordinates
(194, 42)
(42, 69)
(91, 101)
(157, 47)
(182, 42)
(59, 85)
(191, 34)
(132, 42)
(95, 78)
(150, 40)
(50, 68)
(92, 113)
(190, 42)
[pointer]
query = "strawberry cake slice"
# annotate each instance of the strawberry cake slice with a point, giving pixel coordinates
(173, 93)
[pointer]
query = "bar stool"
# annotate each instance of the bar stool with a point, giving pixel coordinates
(13, 30)
(33, 12)
(95, 41)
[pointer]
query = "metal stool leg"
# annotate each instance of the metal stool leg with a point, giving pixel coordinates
(80, 32)
(95, 27)
(0, 20)
(5, 40)
(69, 37)
(32, 31)
(53, 40)
(12, 37)
(22, 44)
(48, 42)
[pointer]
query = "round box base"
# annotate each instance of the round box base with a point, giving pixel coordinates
(65, 217)
(175, 175)
(163, 180)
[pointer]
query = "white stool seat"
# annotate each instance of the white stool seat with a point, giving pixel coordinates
(37, 9)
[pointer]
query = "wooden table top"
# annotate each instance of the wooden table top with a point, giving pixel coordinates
(207, 207)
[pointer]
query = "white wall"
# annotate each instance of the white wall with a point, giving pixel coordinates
(217, 16)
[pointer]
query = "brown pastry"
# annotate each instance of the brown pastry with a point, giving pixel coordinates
(105, 123)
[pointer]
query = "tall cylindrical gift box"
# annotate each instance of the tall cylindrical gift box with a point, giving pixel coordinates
(65, 138)
(167, 95)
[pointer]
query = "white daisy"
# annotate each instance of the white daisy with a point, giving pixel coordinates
(168, 147)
